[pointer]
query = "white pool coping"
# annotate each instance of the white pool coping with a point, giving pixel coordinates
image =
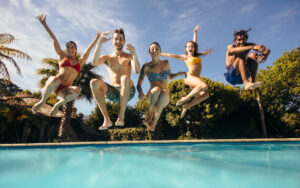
(152, 142)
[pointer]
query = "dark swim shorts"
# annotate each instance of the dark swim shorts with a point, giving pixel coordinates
(232, 77)
(113, 93)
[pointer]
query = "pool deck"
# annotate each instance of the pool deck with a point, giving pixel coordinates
(153, 142)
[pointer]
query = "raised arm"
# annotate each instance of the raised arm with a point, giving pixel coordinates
(135, 62)
(195, 33)
(59, 51)
(140, 81)
(174, 56)
(96, 60)
(88, 50)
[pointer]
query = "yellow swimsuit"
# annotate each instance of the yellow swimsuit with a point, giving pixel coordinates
(193, 61)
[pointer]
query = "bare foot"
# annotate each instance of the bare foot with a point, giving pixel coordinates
(181, 101)
(119, 123)
(146, 122)
(53, 111)
(105, 125)
(183, 112)
(36, 107)
(151, 128)
(252, 85)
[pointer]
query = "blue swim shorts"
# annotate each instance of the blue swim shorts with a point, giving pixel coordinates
(232, 77)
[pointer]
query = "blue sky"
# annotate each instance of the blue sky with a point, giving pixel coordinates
(274, 23)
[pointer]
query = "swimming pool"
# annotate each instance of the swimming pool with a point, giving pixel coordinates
(248, 164)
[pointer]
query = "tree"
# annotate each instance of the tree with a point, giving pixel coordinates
(280, 93)
(8, 54)
(81, 81)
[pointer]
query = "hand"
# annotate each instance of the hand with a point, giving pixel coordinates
(41, 18)
(103, 36)
(183, 73)
(263, 57)
(141, 96)
(207, 51)
(259, 48)
(130, 48)
(197, 28)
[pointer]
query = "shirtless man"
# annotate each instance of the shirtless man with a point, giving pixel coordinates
(119, 64)
(241, 66)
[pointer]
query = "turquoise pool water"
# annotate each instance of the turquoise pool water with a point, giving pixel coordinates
(272, 164)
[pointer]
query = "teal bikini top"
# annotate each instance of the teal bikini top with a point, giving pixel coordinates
(154, 76)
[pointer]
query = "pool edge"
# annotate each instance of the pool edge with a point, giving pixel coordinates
(152, 142)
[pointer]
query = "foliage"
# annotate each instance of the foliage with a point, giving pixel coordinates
(280, 93)
(132, 116)
(8, 54)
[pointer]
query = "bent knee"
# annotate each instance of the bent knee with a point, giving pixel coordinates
(156, 90)
(125, 78)
(253, 56)
(77, 90)
(95, 82)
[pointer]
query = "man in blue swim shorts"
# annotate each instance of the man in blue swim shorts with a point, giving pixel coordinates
(119, 65)
(240, 66)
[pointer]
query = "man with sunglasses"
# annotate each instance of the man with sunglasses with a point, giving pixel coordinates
(241, 66)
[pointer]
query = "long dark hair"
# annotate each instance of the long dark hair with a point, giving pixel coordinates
(156, 44)
(196, 53)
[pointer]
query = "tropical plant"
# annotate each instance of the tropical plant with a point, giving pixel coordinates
(8, 54)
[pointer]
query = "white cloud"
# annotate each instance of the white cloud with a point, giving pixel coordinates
(248, 7)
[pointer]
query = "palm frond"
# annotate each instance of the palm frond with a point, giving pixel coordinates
(50, 62)
(4, 71)
(12, 61)
(6, 38)
(14, 53)
(47, 72)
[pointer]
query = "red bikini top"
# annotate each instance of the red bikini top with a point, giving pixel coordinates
(66, 63)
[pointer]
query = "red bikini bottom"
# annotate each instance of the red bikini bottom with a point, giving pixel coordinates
(60, 87)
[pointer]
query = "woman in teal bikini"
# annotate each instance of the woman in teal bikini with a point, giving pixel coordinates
(158, 72)
(69, 68)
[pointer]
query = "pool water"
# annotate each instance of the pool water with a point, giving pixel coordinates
(270, 164)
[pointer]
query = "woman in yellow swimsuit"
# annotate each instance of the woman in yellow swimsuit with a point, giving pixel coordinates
(194, 64)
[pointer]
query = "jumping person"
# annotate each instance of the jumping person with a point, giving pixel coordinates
(119, 64)
(241, 66)
(69, 68)
(158, 72)
(194, 64)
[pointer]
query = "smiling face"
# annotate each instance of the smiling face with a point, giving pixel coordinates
(189, 48)
(118, 41)
(240, 40)
(71, 49)
(154, 50)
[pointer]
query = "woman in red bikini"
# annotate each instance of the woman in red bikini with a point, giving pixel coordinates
(69, 67)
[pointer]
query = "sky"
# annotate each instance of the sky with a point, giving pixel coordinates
(274, 23)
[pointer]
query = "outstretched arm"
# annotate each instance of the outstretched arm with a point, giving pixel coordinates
(195, 33)
(140, 81)
(174, 56)
(88, 50)
(177, 74)
(96, 59)
(59, 51)
(171, 76)
(135, 62)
